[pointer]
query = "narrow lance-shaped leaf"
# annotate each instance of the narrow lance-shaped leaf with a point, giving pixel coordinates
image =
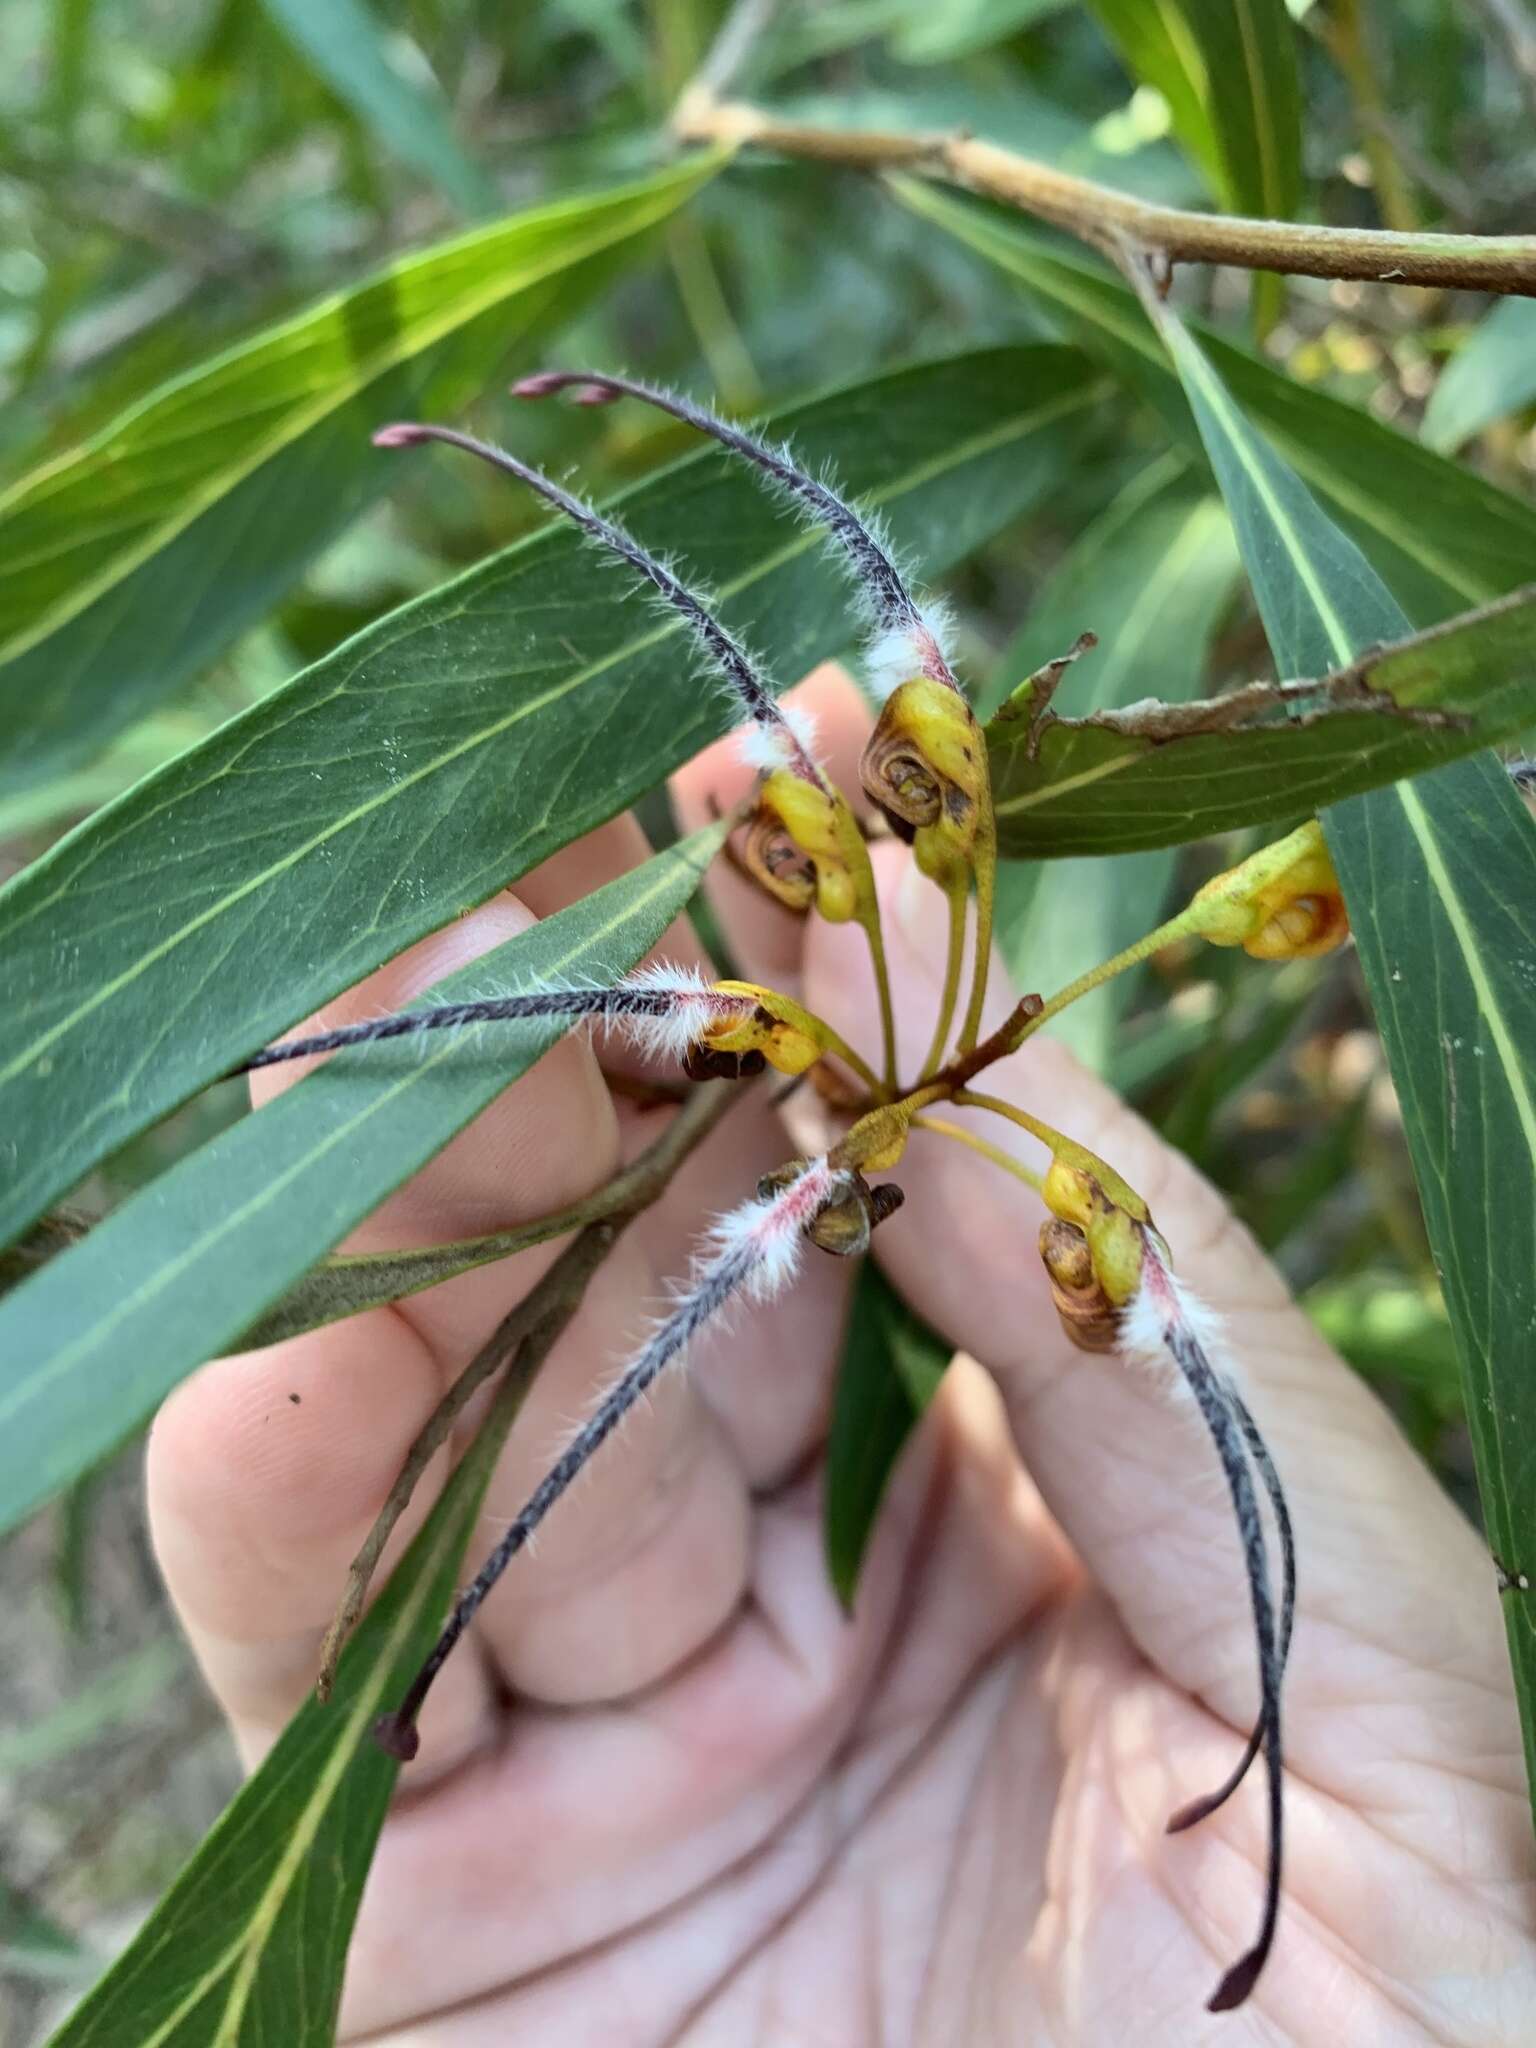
(345, 43)
(444, 751)
(1492, 374)
(1441, 537)
(1440, 878)
(248, 1946)
(135, 558)
(1172, 550)
(97, 1338)
(1144, 777)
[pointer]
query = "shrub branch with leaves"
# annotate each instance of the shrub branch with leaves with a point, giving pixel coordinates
(482, 729)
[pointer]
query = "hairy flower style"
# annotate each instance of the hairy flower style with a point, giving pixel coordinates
(754, 1251)
(1163, 1312)
(743, 681)
(663, 1010)
(766, 746)
(906, 638)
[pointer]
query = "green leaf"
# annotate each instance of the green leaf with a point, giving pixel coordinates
(938, 35)
(1492, 374)
(128, 563)
(33, 1945)
(1394, 1332)
(128, 1688)
(348, 49)
(1152, 577)
(95, 1340)
(1440, 878)
(1227, 69)
(246, 1949)
(891, 1367)
(1109, 788)
(450, 747)
(1439, 536)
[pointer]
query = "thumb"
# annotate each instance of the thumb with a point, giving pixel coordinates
(1391, 1575)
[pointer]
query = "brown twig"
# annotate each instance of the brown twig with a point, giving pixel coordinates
(1002, 1042)
(522, 1340)
(1101, 216)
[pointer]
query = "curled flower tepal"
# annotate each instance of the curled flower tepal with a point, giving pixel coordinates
(1093, 1247)
(926, 767)
(844, 1225)
(721, 1030)
(796, 817)
(1283, 903)
(755, 1019)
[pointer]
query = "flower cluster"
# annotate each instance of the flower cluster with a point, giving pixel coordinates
(926, 770)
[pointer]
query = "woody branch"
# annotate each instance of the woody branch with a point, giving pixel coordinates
(1105, 218)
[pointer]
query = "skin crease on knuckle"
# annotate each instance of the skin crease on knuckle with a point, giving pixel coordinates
(680, 1697)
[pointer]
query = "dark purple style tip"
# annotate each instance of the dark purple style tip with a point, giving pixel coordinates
(541, 384)
(403, 434)
(545, 383)
(396, 1738)
(1197, 1810)
(1234, 1988)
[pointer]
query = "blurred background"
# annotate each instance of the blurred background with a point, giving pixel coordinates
(177, 173)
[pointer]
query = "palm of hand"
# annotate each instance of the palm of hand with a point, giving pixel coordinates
(738, 1816)
(941, 1824)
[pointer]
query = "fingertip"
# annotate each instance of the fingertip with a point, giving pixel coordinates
(265, 1470)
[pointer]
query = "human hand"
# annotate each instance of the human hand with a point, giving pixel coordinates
(668, 1793)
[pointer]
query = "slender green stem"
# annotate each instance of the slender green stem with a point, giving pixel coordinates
(958, 892)
(1061, 1147)
(1345, 34)
(704, 301)
(876, 937)
(943, 1128)
(986, 896)
(1165, 934)
(836, 1043)
(1053, 1140)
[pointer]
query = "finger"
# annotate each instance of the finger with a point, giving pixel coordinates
(255, 1541)
(259, 1501)
(765, 937)
(636, 1815)
(1393, 1579)
(264, 1473)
